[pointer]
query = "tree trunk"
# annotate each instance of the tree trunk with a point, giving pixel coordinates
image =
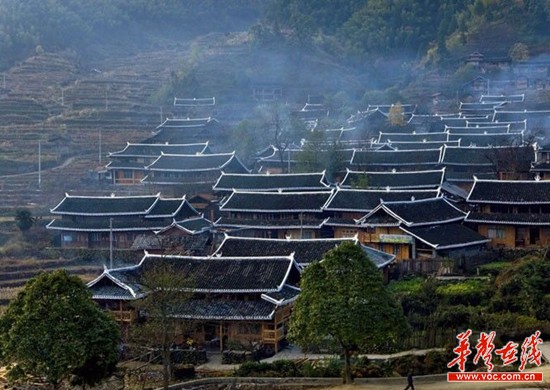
(165, 367)
(346, 375)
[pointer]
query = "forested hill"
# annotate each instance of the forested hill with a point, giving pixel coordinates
(84, 26)
(354, 30)
(375, 28)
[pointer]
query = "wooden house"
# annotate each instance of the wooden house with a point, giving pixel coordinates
(404, 160)
(102, 221)
(274, 214)
(393, 180)
(305, 251)
(348, 206)
(187, 130)
(191, 169)
(128, 166)
(227, 182)
(233, 299)
(511, 213)
(423, 228)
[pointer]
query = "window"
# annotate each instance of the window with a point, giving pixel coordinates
(496, 232)
(128, 174)
(67, 237)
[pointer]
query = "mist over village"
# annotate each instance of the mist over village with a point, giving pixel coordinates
(279, 194)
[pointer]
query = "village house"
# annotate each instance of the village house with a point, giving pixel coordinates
(105, 221)
(305, 251)
(227, 182)
(348, 206)
(128, 166)
(244, 300)
(511, 213)
(187, 130)
(274, 214)
(191, 170)
(416, 229)
(404, 160)
(394, 179)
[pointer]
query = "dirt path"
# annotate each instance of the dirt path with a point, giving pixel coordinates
(438, 382)
(64, 164)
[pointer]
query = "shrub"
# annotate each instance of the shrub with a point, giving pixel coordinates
(327, 368)
(468, 292)
(279, 368)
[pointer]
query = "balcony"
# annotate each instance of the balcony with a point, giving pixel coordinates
(273, 335)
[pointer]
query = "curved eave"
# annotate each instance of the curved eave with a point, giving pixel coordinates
(319, 210)
(98, 214)
(136, 229)
(439, 222)
(535, 202)
(229, 318)
(495, 222)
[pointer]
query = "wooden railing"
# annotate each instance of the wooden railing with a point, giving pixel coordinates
(124, 316)
(273, 335)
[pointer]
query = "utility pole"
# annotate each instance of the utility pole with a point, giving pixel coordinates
(99, 146)
(110, 243)
(161, 114)
(39, 164)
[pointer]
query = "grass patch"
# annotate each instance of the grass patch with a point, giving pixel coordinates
(494, 268)
(412, 286)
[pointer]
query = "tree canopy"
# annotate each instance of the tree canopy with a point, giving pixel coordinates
(53, 329)
(344, 300)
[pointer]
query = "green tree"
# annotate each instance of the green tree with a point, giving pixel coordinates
(344, 300)
(24, 220)
(53, 329)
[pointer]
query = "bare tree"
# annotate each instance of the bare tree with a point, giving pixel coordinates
(167, 291)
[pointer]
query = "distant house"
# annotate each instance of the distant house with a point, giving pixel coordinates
(128, 166)
(393, 180)
(419, 229)
(228, 182)
(404, 160)
(197, 169)
(234, 299)
(274, 214)
(187, 130)
(512, 213)
(305, 251)
(90, 221)
(348, 206)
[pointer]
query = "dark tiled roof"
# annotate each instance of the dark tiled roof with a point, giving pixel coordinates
(305, 223)
(287, 293)
(195, 162)
(396, 158)
(225, 274)
(155, 150)
(446, 236)
(106, 288)
(397, 180)
(366, 200)
(421, 145)
(195, 224)
(103, 224)
(277, 201)
(513, 126)
(106, 205)
(344, 222)
(495, 129)
(509, 218)
(126, 165)
(195, 244)
(488, 139)
(520, 157)
(185, 122)
(379, 258)
(417, 212)
(171, 207)
(226, 309)
(271, 182)
(510, 192)
(412, 137)
(468, 177)
(305, 251)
